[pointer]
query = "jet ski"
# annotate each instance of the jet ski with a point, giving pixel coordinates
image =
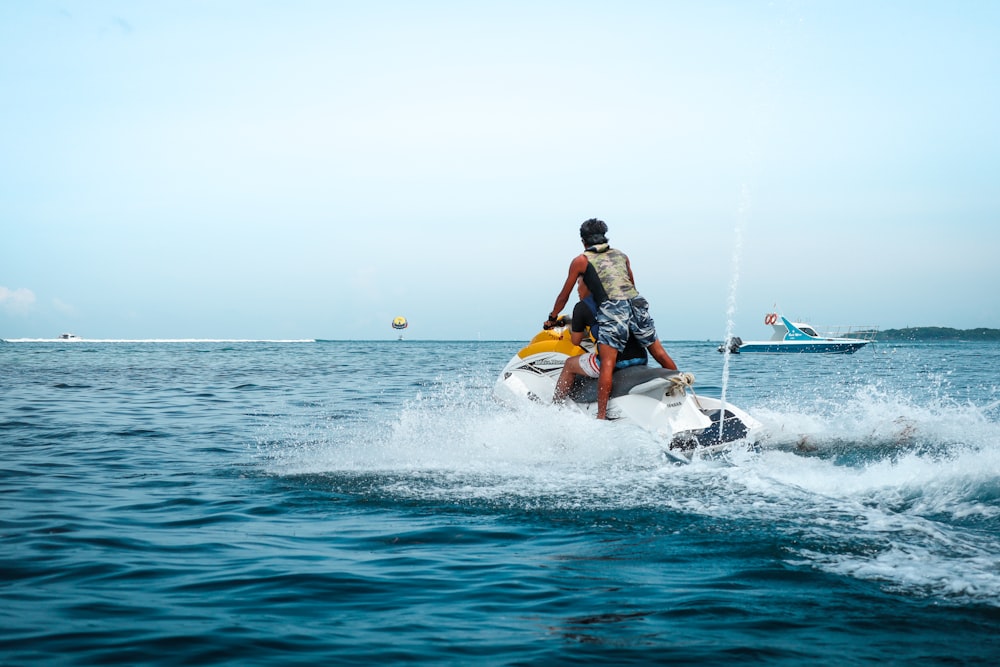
(660, 401)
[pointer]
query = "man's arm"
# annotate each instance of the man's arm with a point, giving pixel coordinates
(576, 269)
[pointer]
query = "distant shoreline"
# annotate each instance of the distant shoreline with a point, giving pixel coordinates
(938, 334)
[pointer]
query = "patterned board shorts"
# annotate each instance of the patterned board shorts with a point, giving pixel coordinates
(617, 318)
(590, 364)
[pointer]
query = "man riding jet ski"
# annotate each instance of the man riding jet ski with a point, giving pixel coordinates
(621, 311)
(554, 366)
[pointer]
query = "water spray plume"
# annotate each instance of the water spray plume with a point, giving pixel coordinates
(733, 284)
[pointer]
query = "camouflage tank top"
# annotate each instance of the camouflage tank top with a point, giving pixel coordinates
(607, 274)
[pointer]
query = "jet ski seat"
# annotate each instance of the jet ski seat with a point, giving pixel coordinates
(584, 389)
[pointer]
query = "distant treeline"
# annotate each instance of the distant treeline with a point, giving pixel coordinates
(938, 333)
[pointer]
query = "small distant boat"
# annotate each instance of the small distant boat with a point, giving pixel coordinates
(803, 337)
(68, 336)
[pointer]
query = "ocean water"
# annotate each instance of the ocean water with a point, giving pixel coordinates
(303, 503)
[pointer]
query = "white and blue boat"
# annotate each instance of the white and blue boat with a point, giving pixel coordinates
(802, 337)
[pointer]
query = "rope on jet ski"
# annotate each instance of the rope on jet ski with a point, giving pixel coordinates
(681, 383)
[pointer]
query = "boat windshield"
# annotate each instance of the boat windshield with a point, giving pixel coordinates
(809, 331)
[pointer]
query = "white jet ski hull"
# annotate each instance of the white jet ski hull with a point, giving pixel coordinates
(657, 400)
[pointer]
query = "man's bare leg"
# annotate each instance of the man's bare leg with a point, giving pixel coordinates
(608, 356)
(570, 369)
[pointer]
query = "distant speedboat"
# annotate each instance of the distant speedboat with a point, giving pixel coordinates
(802, 337)
(68, 336)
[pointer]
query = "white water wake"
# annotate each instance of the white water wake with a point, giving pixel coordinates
(875, 487)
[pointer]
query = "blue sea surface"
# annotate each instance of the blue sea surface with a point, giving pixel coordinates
(333, 502)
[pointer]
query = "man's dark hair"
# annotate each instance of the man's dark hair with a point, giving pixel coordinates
(593, 231)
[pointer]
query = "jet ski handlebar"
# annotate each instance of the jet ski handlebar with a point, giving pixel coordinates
(561, 321)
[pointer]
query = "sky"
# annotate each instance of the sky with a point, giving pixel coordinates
(293, 169)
